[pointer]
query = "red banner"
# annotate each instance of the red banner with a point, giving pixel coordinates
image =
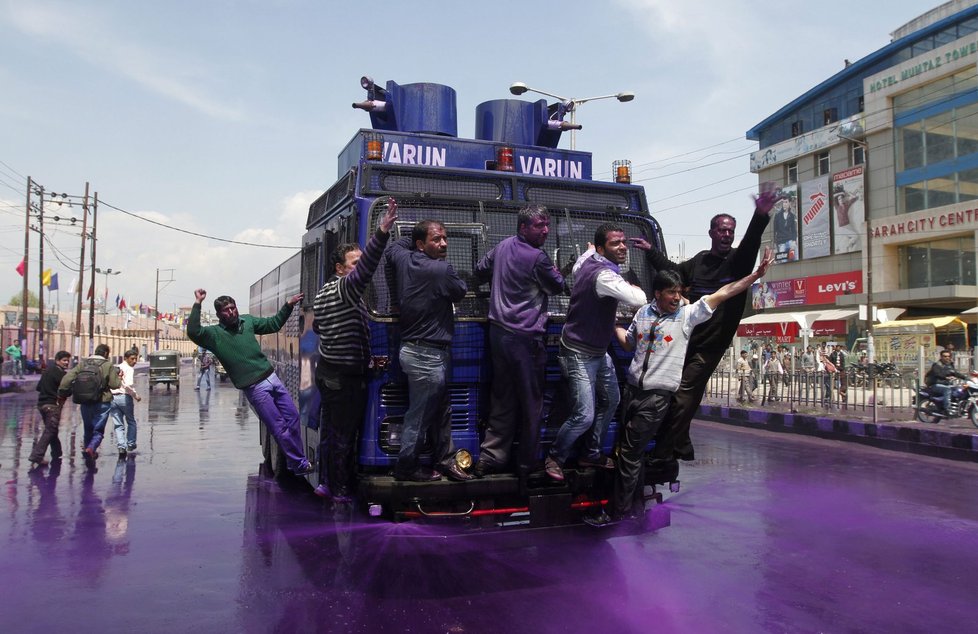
(801, 291)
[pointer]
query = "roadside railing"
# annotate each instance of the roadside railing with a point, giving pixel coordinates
(852, 389)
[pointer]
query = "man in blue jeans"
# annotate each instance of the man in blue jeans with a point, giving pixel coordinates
(96, 413)
(426, 287)
(584, 359)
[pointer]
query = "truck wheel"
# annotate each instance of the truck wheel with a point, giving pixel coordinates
(973, 414)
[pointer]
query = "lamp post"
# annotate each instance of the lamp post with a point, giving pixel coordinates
(856, 128)
(571, 104)
(105, 307)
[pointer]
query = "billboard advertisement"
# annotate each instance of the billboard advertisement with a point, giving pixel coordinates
(784, 217)
(848, 209)
(814, 207)
(805, 291)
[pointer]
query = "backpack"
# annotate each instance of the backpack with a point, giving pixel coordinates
(89, 382)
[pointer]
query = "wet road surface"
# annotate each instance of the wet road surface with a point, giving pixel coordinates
(770, 533)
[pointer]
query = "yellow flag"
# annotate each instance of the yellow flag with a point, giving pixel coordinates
(46, 278)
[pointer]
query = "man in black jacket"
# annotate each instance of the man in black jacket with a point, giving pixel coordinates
(938, 378)
(50, 408)
(704, 274)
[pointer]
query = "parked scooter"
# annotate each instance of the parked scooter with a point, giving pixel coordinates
(963, 402)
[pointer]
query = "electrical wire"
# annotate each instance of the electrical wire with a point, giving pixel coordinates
(194, 233)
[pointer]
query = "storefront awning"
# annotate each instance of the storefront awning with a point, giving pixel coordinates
(805, 319)
(934, 322)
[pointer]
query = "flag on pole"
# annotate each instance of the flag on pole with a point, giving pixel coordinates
(73, 287)
(91, 292)
(53, 286)
(20, 268)
(122, 303)
(117, 300)
(46, 278)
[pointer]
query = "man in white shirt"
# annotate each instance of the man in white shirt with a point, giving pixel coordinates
(122, 409)
(584, 340)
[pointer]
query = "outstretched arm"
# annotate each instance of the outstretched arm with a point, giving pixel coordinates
(735, 288)
(746, 253)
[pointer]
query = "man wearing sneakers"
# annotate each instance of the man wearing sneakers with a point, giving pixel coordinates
(659, 334)
(234, 344)
(122, 411)
(584, 359)
(94, 407)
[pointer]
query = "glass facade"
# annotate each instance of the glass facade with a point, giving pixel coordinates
(937, 263)
(936, 141)
(846, 97)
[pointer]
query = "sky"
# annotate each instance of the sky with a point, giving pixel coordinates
(224, 117)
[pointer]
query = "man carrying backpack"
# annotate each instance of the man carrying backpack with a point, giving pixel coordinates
(90, 384)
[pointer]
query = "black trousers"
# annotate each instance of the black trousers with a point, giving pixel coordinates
(51, 419)
(642, 412)
(344, 402)
(518, 362)
(673, 438)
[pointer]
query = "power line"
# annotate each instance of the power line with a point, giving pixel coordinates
(194, 233)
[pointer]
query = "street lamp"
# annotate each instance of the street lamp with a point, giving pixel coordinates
(105, 308)
(845, 132)
(518, 88)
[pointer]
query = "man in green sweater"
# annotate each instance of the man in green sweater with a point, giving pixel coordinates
(233, 342)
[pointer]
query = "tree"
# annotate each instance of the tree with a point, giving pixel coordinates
(32, 301)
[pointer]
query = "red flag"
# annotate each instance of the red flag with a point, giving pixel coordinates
(122, 303)
(20, 268)
(91, 293)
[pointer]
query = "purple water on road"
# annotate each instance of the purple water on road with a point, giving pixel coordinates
(770, 533)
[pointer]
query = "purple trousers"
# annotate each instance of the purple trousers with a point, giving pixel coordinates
(275, 408)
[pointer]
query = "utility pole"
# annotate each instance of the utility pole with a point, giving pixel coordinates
(156, 317)
(81, 274)
(40, 279)
(91, 300)
(156, 306)
(27, 253)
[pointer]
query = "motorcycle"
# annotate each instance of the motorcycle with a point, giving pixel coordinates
(963, 402)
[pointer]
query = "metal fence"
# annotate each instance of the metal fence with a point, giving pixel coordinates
(852, 389)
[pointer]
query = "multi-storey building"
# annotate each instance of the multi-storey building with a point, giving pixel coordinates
(892, 140)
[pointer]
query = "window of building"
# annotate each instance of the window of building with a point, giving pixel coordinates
(796, 128)
(938, 263)
(791, 172)
(821, 163)
(830, 115)
(857, 154)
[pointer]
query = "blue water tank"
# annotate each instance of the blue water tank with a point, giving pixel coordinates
(423, 107)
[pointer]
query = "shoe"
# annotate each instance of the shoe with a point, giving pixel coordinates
(601, 462)
(122, 453)
(421, 474)
(90, 453)
(483, 468)
(197, 388)
(553, 470)
(323, 491)
(304, 468)
(454, 472)
(131, 447)
(342, 496)
(600, 520)
(685, 456)
(40, 462)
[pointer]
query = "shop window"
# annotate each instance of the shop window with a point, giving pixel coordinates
(796, 128)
